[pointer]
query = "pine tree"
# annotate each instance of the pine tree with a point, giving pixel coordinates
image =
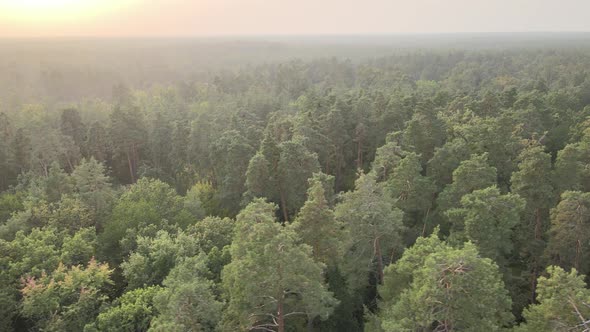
(533, 182)
(375, 226)
(569, 236)
(563, 304)
(272, 277)
(487, 218)
(317, 227)
(454, 289)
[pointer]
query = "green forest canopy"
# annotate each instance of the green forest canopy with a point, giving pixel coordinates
(296, 185)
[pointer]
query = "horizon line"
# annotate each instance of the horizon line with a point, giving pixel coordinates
(307, 35)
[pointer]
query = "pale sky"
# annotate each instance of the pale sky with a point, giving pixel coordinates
(123, 18)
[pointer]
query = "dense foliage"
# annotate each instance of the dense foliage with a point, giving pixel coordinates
(427, 190)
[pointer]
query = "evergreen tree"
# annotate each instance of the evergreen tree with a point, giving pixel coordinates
(563, 303)
(375, 226)
(317, 227)
(413, 192)
(455, 289)
(487, 219)
(271, 277)
(569, 235)
(533, 182)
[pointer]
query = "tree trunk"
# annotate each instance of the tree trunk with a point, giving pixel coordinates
(537, 237)
(359, 156)
(70, 165)
(537, 224)
(130, 163)
(280, 316)
(534, 283)
(284, 205)
(377, 250)
(578, 251)
(310, 320)
(280, 298)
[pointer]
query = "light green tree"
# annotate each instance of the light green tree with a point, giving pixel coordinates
(569, 235)
(317, 227)
(272, 277)
(563, 304)
(187, 302)
(454, 289)
(413, 192)
(67, 298)
(93, 186)
(472, 174)
(132, 312)
(533, 182)
(375, 225)
(487, 218)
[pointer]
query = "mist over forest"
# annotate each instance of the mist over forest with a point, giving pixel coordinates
(380, 183)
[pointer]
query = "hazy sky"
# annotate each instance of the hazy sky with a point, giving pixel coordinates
(277, 17)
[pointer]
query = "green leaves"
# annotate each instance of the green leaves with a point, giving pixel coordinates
(570, 231)
(187, 302)
(375, 226)
(132, 312)
(271, 276)
(562, 303)
(280, 173)
(453, 289)
(66, 299)
(487, 219)
(317, 226)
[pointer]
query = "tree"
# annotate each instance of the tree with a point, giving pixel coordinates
(214, 236)
(21, 150)
(231, 154)
(413, 192)
(71, 125)
(93, 187)
(201, 200)
(147, 206)
(568, 169)
(97, 144)
(280, 173)
(569, 235)
(563, 303)
(399, 276)
(160, 145)
(154, 257)
(187, 302)
(487, 219)
(66, 299)
(317, 227)
(7, 167)
(375, 225)
(472, 174)
(79, 248)
(498, 136)
(533, 182)
(386, 159)
(271, 277)
(445, 160)
(56, 183)
(455, 289)
(48, 148)
(132, 312)
(424, 133)
(127, 133)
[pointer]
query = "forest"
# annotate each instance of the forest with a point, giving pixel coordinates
(295, 186)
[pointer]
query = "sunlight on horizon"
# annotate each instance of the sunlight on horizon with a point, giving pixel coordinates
(116, 18)
(35, 11)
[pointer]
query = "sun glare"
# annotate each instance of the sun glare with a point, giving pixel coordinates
(54, 10)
